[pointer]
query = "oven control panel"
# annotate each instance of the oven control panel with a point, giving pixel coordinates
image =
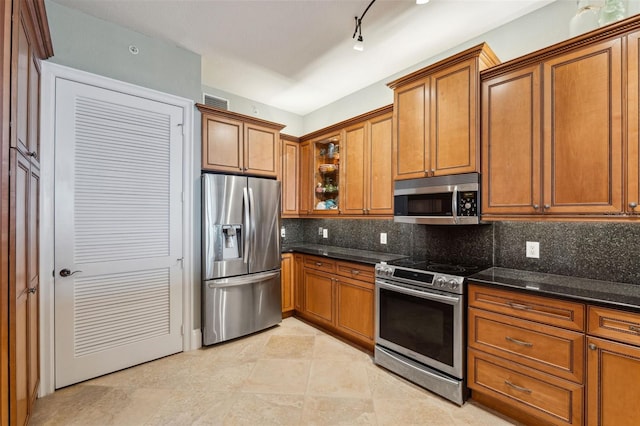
(420, 278)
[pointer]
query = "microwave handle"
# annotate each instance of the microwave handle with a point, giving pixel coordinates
(454, 204)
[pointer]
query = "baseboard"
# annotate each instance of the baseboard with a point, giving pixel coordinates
(196, 340)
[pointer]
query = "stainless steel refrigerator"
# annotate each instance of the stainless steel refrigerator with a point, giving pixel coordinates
(240, 256)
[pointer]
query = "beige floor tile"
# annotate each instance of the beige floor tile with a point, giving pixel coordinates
(289, 346)
(285, 376)
(328, 347)
(338, 411)
(385, 384)
(423, 411)
(330, 377)
(289, 374)
(266, 409)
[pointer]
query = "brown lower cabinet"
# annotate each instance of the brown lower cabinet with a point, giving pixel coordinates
(337, 296)
(613, 367)
(287, 280)
(542, 360)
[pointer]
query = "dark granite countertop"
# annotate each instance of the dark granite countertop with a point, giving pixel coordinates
(613, 293)
(342, 253)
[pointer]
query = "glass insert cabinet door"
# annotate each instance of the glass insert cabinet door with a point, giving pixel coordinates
(327, 175)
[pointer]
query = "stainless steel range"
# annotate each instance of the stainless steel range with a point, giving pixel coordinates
(420, 324)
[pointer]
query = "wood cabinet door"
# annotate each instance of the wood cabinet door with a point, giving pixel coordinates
(411, 132)
(379, 180)
(454, 115)
(318, 296)
(305, 188)
(33, 137)
(261, 150)
(20, 75)
(632, 201)
(353, 170)
(298, 282)
(582, 130)
(286, 278)
(33, 278)
(222, 144)
(354, 308)
(511, 143)
(613, 374)
(289, 174)
(19, 291)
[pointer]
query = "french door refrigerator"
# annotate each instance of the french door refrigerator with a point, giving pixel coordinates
(240, 256)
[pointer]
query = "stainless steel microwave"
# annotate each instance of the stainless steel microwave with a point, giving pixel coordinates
(440, 200)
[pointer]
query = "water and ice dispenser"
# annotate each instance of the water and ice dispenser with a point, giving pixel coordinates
(228, 242)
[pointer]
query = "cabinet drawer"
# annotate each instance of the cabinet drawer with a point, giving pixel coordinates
(546, 310)
(545, 348)
(537, 394)
(319, 263)
(614, 324)
(355, 271)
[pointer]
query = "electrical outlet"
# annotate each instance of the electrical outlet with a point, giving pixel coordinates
(325, 233)
(533, 249)
(282, 232)
(383, 238)
(320, 231)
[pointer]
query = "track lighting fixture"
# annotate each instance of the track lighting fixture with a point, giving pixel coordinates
(359, 45)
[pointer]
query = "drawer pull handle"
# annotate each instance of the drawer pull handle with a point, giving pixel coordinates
(516, 387)
(519, 306)
(355, 272)
(318, 263)
(518, 342)
(634, 328)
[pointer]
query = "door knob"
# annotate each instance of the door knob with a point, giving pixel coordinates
(67, 273)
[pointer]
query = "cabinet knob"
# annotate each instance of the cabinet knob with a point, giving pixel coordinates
(33, 290)
(318, 263)
(547, 206)
(592, 346)
(633, 204)
(536, 207)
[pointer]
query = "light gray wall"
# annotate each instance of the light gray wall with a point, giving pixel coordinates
(531, 32)
(90, 44)
(259, 110)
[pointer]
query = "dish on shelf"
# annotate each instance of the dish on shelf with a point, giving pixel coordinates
(328, 168)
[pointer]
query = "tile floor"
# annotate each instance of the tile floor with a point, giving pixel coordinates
(292, 374)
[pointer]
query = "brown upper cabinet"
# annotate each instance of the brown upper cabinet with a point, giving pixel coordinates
(237, 143)
(552, 129)
(357, 177)
(367, 177)
(436, 116)
(305, 182)
(289, 172)
(632, 201)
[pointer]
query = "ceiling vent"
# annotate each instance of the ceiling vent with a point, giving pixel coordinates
(216, 102)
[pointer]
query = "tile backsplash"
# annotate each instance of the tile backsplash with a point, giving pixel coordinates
(604, 251)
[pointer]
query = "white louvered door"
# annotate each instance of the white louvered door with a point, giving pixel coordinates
(118, 230)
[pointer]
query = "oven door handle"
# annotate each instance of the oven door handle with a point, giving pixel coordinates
(422, 294)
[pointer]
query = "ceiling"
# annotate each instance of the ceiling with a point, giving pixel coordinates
(297, 55)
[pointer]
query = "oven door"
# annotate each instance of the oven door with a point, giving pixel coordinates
(422, 325)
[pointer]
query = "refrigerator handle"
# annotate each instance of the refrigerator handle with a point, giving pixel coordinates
(252, 214)
(247, 231)
(243, 279)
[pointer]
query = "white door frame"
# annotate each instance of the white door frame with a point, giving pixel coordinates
(50, 72)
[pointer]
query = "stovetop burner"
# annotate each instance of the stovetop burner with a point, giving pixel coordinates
(437, 266)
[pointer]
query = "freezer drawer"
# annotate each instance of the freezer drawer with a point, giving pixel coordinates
(237, 306)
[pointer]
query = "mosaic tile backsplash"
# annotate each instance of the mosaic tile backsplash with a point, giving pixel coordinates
(603, 251)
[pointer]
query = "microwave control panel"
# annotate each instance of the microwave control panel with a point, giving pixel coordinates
(468, 203)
